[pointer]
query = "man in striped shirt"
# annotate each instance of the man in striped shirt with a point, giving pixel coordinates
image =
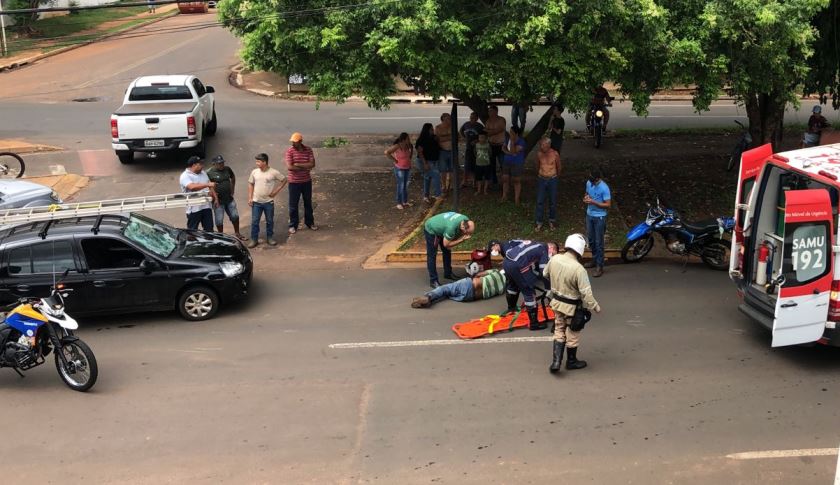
(482, 286)
(300, 160)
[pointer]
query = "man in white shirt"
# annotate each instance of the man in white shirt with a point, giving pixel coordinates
(195, 179)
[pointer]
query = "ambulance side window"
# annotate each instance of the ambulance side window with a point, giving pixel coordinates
(807, 249)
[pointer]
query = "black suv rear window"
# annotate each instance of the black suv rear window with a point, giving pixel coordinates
(159, 93)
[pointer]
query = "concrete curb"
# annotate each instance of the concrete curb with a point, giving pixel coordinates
(38, 57)
(66, 185)
(464, 256)
(24, 148)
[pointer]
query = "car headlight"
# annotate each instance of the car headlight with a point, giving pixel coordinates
(231, 269)
(55, 198)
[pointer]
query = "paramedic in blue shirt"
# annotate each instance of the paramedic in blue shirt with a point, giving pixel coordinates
(523, 263)
(597, 202)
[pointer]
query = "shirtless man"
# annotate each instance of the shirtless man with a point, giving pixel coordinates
(443, 131)
(495, 127)
(482, 286)
(548, 171)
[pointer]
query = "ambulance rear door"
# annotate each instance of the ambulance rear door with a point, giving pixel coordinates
(752, 161)
(807, 267)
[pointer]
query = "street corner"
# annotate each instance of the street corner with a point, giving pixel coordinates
(66, 186)
(21, 146)
(262, 83)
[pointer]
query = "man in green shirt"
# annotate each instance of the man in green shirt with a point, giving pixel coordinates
(444, 231)
(482, 286)
(225, 181)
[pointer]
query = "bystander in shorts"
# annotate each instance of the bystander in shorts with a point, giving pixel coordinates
(513, 169)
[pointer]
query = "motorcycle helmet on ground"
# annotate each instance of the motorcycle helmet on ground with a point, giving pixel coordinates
(577, 243)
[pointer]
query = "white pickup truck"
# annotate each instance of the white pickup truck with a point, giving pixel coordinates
(163, 113)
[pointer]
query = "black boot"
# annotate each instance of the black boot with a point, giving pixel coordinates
(572, 362)
(511, 302)
(558, 356)
(534, 320)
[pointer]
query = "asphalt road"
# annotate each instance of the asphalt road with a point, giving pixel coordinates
(290, 386)
(678, 382)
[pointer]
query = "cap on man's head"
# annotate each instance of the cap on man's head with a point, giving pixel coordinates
(296, 137)
(193, 160)
(218, 159)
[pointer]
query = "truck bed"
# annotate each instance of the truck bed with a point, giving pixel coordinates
(155, 108)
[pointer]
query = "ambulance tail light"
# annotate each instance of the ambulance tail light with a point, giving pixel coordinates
(834, 302)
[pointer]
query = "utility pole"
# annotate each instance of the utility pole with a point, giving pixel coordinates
(3, 29)
(455, 165)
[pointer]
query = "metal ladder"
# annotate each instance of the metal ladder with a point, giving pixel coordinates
(99, 207)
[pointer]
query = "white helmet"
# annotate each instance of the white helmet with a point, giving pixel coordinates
(473, 268)
(576, 242)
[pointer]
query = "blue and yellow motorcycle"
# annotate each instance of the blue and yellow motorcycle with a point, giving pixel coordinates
(34, 327)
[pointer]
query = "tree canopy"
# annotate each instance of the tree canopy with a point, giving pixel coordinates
(525, 49)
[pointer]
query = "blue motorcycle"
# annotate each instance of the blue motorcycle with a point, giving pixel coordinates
(704, 238)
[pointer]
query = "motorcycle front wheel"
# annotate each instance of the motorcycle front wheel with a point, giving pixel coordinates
(598, 132)
(81, 370)
(634, 251)
(715, 255)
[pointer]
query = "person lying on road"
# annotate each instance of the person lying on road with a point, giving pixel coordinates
(482, 286)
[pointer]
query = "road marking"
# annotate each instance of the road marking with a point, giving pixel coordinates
(837, 472)
(689, 116)
(141, 61)
(759, 455)
(431, 343)
(394, 117)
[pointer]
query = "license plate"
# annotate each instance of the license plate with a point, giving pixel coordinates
(153, 143)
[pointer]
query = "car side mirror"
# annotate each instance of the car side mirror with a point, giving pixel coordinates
(148, 266)
(210, 89)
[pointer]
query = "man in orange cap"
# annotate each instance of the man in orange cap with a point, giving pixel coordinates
(300, 160)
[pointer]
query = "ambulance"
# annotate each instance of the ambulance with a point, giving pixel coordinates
(785, 257)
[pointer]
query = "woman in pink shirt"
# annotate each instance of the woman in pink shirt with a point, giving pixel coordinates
(401, 153)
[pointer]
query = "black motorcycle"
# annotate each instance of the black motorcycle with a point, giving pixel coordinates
(703, 239)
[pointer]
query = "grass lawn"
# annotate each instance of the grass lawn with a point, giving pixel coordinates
(60, 31)
(505, 220)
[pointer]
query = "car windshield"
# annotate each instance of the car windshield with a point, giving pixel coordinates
(151, 235)
(159, 93)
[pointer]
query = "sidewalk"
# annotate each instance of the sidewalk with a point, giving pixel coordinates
(107, 29)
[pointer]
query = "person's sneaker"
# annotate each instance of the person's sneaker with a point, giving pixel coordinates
(589, 264)
(272, 242)
(434, 284)
(251, 244)
(260, 241)
(598, 272)
(292, 230)
(421, 302)
(313, 227)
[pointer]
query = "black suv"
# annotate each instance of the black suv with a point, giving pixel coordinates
(121, 264)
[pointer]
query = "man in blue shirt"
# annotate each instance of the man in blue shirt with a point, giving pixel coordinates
(597, 201)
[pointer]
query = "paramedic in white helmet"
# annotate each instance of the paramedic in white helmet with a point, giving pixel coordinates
(570, 289)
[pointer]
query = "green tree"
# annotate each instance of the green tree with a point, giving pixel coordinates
(824, 77)
(758, 50)
(516, 49)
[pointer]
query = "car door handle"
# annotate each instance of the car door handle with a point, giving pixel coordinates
(788, 305)
(23, 288)
(100, 284)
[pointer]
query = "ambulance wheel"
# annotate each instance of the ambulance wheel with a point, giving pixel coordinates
(634, 251)
(715, 255)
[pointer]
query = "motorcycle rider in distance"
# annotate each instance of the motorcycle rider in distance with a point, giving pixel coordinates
(570, 287)
(600, 100)
(816, 124)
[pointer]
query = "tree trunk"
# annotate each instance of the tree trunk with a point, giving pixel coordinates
(765, 113)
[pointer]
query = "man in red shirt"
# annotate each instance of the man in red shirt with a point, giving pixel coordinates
(299, 161)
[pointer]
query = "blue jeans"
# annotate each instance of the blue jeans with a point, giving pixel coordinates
(595, 227)
(296, 191)
(402, 175)
(461, 290)
(257, 210)
(431, 178)
(432, 244)
(547, 187)
(203, 217)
